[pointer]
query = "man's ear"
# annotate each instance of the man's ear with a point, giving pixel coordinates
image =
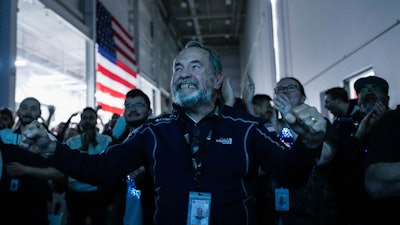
(218, 81)
(303, 99)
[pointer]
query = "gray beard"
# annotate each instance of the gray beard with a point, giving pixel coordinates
(193, 99)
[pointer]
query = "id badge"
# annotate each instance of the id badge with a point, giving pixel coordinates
(199, 208)
(282, 199)
(14, 183)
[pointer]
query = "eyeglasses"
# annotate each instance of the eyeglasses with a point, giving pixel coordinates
(328, 100)
(137, 105)
(365, 90)
(290, 88)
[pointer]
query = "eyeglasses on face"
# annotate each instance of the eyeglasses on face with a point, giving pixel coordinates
(328, 100)
(289, 88)
(374, 89)
(137, 105)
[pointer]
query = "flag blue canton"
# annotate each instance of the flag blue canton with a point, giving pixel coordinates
(104, 34)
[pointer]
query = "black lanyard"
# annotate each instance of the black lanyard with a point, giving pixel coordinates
(198, 147)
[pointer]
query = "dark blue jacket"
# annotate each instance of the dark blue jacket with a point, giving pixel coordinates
(27, 202)
(239, 145)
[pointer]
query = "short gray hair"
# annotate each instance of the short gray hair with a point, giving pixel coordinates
(215, 59)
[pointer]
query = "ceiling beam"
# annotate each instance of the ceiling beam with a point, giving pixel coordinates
(206, 17)
(213, 35)
(192, 7)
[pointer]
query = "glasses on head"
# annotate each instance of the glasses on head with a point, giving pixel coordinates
(289, 88)
(137, 105)
(365, 90)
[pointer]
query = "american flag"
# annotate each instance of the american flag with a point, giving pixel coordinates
(116, 62)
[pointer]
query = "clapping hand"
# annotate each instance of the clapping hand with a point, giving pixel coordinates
(308, 123)
(248, 91)
(282, 104)
(369, 121)
(227, 92)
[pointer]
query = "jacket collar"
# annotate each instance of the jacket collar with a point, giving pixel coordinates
(179, 111)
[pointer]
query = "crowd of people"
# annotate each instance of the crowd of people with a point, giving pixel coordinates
(215, 159)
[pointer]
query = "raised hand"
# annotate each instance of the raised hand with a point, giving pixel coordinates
(248, 94)
(369, 120)
(248, 90)
(282, 104)
(227, 92)
(51, 109)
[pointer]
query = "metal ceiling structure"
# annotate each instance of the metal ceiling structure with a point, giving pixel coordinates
(51, 51)
(218, 23)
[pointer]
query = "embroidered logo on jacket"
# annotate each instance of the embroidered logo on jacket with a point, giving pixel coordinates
(224, 141)
(269, 127)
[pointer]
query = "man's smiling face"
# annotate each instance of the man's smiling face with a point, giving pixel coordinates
(193, 79)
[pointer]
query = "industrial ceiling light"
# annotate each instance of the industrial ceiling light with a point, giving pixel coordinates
(20, 62)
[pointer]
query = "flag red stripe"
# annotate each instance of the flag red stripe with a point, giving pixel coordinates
(113, 76)
(105, 89)
(126, 44)
(120, 27)
(126, 55)
(126, 68)
(111, 109)
(116, 66)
